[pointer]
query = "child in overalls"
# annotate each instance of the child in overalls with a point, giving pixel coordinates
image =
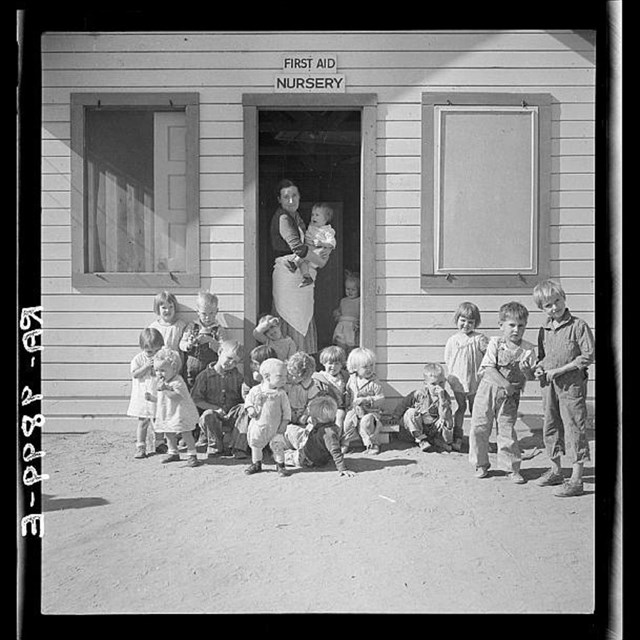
(507, 364)
(426, 412)
(565, 351)
(201, 339)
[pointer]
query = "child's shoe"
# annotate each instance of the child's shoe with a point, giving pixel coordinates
(456, 445)
(140, 452)
(424, 445)
(192, 461)
(290, 265)
(306, 281)
(282, 470)
(373, 450)
(517, 477)
(550, 478)
(569, 489)
(202, 441)
(345, 448)
(255, 467)
(239, 454)
(161, 447)
(482, 472)
(172, 457)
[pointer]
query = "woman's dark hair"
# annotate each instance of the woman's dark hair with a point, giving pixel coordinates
(285, 184)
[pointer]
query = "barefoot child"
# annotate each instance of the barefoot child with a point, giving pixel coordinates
(217, 395)
(268, 332)
(364, 397)
(347, 315)
(269, 410)
(319, 235)
(176, 414)
(565, 350)
(426, 412)
(463, 354)
(506, 366)
(143, 381)
(319, 442)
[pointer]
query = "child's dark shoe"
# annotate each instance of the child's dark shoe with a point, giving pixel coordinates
(256, 467)
(550, 478)
(172, 457)
(192, 461)
(239, 454)
(456, 445)
(569, 489)
(482, 472)
(282, 470)
(161, 447)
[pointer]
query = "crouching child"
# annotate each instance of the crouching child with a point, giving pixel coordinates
(426, 412)
(319, 442)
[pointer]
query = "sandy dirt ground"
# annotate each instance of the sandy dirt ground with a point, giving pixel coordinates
(411, 532)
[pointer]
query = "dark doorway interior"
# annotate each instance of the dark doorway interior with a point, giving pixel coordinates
(320, 151)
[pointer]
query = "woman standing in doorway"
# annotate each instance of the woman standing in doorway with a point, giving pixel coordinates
(293, 304)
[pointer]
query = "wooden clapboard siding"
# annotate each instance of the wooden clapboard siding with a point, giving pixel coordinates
(90, 338)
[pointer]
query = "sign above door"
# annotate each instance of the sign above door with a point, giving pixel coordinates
(309, 72)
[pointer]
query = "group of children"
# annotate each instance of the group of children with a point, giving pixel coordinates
(314, 416)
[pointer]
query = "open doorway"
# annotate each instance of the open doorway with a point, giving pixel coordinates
(320, 150)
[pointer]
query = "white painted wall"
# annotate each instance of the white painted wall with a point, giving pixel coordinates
(90, 338)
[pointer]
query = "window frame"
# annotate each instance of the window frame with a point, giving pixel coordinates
(187, 102)
(431, 276)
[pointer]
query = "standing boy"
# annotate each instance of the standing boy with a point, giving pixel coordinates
(507, 364)
(565, 350)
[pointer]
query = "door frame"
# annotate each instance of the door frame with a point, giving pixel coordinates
(367, 104)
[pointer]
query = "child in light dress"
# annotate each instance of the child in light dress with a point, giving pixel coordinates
(364, 400)
(506, 366)
(463, 354)
(143, 381)
(319, 442)
(269, 411)
(201, 339)
(347, 315)
(176, 413)
(319, 235)
(268, 332)
(167, 322)
(333, 379)
(426, 412)
(566, 348)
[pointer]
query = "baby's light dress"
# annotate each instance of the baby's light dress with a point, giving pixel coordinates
(274, 410)
(176, 414)
(347, 329)
(463, 354)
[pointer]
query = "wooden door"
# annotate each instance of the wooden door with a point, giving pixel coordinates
(169, 174)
